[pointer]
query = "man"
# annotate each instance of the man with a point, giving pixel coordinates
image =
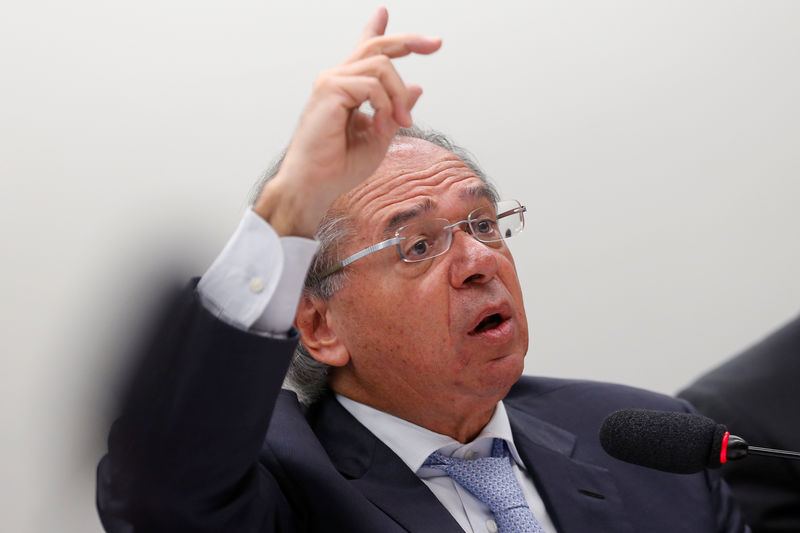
(756, 395)
(413, 309)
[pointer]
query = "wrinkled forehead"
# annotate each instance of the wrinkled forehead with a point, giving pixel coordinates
(415, 175)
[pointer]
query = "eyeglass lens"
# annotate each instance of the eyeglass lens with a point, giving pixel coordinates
(426, 239)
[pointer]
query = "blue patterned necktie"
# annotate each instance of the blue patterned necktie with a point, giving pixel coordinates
(492, 481)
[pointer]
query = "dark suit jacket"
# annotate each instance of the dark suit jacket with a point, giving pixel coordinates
(189, 452)
(757, 395)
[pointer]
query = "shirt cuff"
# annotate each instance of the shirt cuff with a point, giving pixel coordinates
(255, 283)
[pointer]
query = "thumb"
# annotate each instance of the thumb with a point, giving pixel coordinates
(414, 92)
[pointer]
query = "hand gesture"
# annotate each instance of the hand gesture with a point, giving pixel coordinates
(336, 145)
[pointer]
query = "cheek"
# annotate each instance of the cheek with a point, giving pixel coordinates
(395, 319)
(510, 278)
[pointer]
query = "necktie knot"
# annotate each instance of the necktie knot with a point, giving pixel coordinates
(492, 481)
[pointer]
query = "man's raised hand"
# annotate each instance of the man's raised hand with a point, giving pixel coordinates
(336, 145)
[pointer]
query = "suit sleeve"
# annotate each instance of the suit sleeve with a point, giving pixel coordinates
(183, 454)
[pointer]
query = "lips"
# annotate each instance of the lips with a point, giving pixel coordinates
(490, 322)
(490, 319)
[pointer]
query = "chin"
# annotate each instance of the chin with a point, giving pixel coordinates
(502, 372)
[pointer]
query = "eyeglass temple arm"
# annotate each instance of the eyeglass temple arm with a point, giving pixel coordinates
(358, 255)
(520, 209)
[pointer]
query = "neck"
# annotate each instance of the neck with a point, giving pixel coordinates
(460, 419)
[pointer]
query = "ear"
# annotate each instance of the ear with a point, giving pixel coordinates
(313, 322)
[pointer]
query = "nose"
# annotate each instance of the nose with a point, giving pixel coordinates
(471, 261)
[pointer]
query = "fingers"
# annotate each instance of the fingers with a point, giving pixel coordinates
(374, 42)
(390, 111)
(376, 24)
(350, 90)
(397, 45)
(372, 55)
(374, 58)
(381, 68)
(363, 88)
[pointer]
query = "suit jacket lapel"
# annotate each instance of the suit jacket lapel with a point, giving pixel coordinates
(579, 496)
(378, 473)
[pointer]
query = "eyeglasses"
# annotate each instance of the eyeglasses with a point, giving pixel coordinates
(428, 238)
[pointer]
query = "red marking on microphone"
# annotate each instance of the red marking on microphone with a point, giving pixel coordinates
(723, 454)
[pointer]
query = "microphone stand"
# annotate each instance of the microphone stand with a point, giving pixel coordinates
(738, 448)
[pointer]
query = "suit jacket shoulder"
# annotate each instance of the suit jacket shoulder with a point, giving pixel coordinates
(557, 421)
(756, 395)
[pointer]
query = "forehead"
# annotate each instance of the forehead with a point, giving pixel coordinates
(414, 174)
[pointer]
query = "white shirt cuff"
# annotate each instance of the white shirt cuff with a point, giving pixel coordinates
(255, 283)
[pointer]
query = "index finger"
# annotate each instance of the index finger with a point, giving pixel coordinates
(376, 25)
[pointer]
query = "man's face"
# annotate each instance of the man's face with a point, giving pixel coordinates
(450, 331)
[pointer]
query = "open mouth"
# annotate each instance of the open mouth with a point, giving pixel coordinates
(488, 323)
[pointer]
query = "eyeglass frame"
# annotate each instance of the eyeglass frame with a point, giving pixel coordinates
(396, 240)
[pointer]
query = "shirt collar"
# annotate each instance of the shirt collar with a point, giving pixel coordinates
(413, 443)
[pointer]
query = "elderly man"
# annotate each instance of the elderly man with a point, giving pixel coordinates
(411, 414)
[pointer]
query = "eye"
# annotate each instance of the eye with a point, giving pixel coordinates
(418, 249)
(485, 226)
(423, 239)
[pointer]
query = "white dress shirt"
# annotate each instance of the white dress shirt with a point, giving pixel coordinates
(255, 285)
(256, 281)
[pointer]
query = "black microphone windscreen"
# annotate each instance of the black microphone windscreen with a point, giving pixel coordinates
(681, 443)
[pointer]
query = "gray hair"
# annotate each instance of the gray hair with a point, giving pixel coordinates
(306, 376)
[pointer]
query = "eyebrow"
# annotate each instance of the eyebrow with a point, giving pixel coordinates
(402, 217)
(482, 191)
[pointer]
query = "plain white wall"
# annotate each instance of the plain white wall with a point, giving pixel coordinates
(655, 144)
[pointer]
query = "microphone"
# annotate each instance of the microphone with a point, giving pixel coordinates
(680, 443)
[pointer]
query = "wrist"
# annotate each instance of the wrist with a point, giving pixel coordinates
(288, 213)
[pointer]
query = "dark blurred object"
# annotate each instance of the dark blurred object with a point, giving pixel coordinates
(757, 395)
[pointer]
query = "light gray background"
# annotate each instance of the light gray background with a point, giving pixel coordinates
(655, 144)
